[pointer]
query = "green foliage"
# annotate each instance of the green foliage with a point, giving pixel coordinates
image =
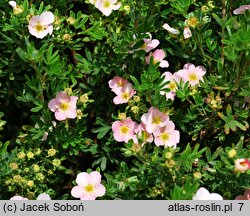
(84, 52)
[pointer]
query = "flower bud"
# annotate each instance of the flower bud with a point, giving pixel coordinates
(71, 20)
(56, 162)
(135, 109)
(169, 163)
(84, 98)
(30, 155)
(168, 155)
(30, 183)
(36, 168)
(66, 37)
(197, 175)
(13, 166)
(40, 177)
(51, 152)
(121, 116)
(231, 153)
(136, 98)
(21, 155)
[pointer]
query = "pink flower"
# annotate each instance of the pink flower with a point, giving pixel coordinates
(153, 119)
(141, 133)
(170, 29)
(124, 130)
(158, 56)
(203, 194)
(18, 198)
(88, 186)
(173, 78)
(167, 135)
(150, 44)
(64, 106)
(192, 74)
(117, 83)
(241, 9)
(43, 196)
(40, 26)
(242, 165)
(124, 95)
(246, 195)
(187, 33)
(107, 6)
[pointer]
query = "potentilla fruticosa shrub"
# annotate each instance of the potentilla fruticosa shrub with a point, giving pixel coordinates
(124, 99)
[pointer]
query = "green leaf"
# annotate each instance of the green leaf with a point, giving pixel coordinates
(36, 109)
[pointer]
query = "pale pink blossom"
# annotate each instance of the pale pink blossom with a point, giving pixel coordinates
(158, 56)
(170, 29)
(187, 32)
(18, 198)
(141, 133)
(242, 165)
(241, 9)
(192, 74)
(245, 196)
(150, 43)
(124, 130)
(43, 196)
(153, 119)
(124, 95)
(107, 6)
(167, 136)
(173, 79)
(64, 106)
(89, 186)
(117, 83)
(203, 194)
(41, 25)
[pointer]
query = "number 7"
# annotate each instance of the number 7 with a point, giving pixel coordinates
(241, 205)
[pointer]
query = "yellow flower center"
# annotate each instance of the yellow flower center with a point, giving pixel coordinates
(156, 120)
(106, 4)
(124, 129)
(172, 86)
(193, 77)
(64, 106)
(125, 95)
(39, 27)
(155, 61)
(89, 188)
(165, 136)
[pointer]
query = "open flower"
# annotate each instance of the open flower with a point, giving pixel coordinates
(158, 56)
(173, 79)
(64, 106)
(124, 130)
(153, 119)
(192, 74)
(167, 135)
(150, 43)
(170, 29)
(124, 94)
(241, 9)
(88, 186)
(141, 133)
(106, 6)
(245, 196)
(43, 196)
(18, 198)
(203, 194)
(241, 165)
(117, 83)
(41, 25)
